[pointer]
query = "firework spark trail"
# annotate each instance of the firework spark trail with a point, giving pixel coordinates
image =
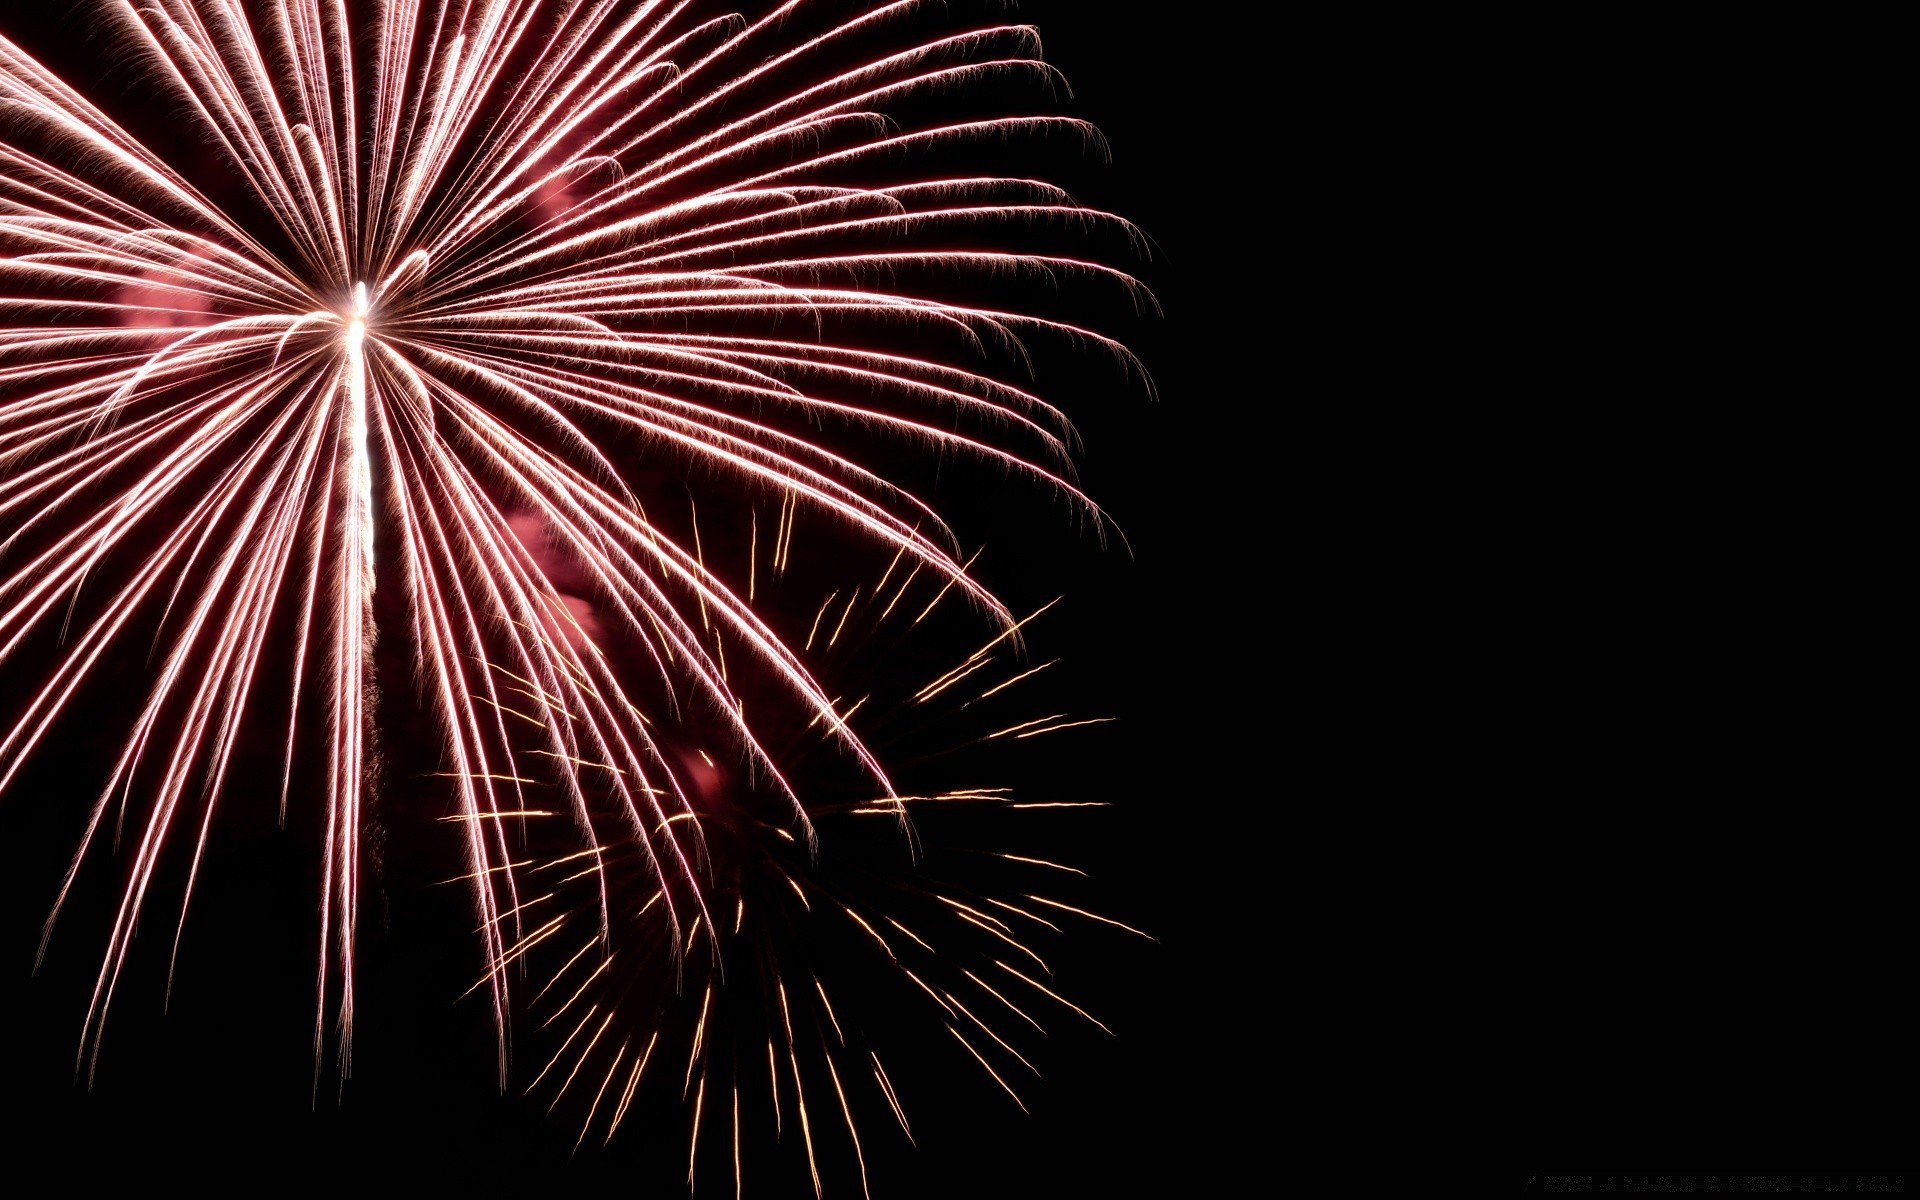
(909, 940)
(481, 253)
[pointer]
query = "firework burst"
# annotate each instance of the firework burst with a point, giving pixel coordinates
(476, 305)
(775, 1021)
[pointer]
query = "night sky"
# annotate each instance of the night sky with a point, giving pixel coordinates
(1489, 747)
(217, 1088)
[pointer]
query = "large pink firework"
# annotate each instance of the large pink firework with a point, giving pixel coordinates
(468, 285)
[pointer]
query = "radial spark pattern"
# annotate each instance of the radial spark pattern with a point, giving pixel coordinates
(822, 998)
(412, 328)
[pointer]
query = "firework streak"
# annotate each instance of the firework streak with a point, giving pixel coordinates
(808, 976)
(482, 275)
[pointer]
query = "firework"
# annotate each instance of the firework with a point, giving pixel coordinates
(784, 1020)
(476, 304)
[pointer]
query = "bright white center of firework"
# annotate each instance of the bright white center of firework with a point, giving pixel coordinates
(361, 467)
(357, 323)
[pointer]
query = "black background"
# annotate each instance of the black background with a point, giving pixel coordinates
(1172, 636)
(1502, 659)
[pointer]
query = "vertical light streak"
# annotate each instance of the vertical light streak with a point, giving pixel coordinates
(352, 665)
(362, 460)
